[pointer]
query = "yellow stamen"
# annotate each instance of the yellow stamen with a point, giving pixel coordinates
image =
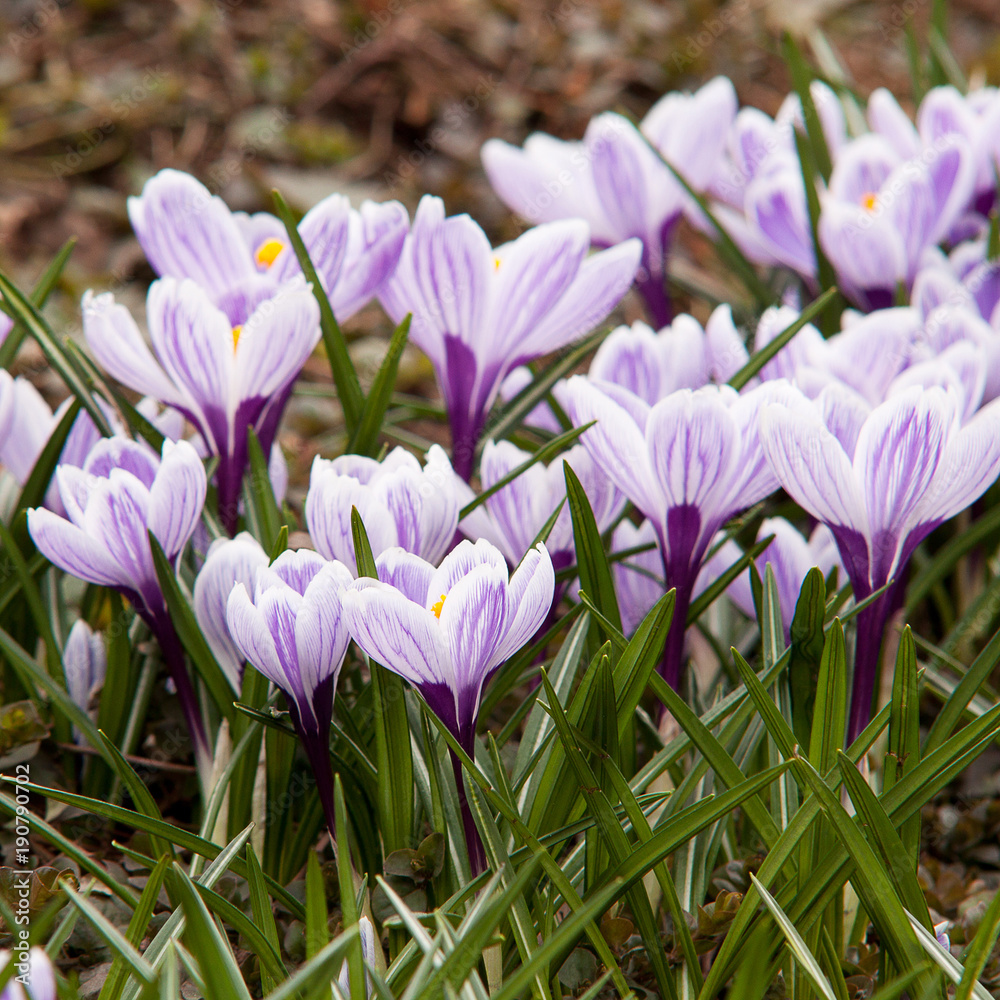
(496, 263)
(869, 201)
(268, 251)
(436, 607)
(237, 330)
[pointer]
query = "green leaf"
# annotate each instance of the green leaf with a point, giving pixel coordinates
(348, 904)
(23, 310)
(805, 958)
(801, 79)
(772, 718)
(707, 597)
(261, 506)
(944, 959)
(979, 950)
(39, 296)
(263, 914)
(189, 632)
(904, 733)
(344, 376)
(830, 712)
(319, 971)
(760, 358)
(592, 561)
(365, 438)
(807, 644)
(218, 967)
(317, 928)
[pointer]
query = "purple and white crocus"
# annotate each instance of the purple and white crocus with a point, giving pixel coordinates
(123, 493)
(881, 480)
(85, 664)
(446, 630)
(225, 379)
(294, 631)
(400, 503)
(241, 261)
(616, 179)
(689, 464)
(478, 313)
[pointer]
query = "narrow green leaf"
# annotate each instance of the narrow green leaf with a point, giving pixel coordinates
(979, 950)
(904, 733)
(23, 310)
(280, 543)
(760, 358)
(263, 914)
(322, 968)
(39, 295)
(317, 928)
(830, 713)
(344, 376)
(944, 959)
(592, 561)
(640, 658)
(801, 79)
(807, 644)
(805, 958)
(348, 904)
(261, 505)
(772, 718)
(365, 438)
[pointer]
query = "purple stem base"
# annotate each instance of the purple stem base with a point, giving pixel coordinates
(473, 842)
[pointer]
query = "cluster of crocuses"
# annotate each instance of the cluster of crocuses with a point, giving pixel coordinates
(880, 432)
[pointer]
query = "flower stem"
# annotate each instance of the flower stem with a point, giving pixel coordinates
(473, 842)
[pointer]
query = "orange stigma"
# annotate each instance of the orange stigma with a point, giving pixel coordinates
(437, 606)
(869, 201)
(496, 263)
(267, 252)
(237, 330)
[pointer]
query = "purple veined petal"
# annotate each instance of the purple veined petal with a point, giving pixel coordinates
(439, 513)
(776, 209)
(277, 472)
(790, 558)
(630, 357)
(30, 423)
(177, 497)
(690, 130)
(753, 478)
(118, 345)
(727, 349)
(397, 633)
(725, 556)
(805, 348)
(74, 485)
(961, 368)
(259, 229)
(73, 549)
(529, 599)
(275, 343)
(324, 231)
(321, 634)
(685, 352)
(83, 435)
(844, 414)
(280, 608)
(865, 247)
(812, 466)
(195, 342)
(294, 569)
(606, 500)
(186, 232)
(952, 178)
(451, 262)
(888, 119)
(601, 282)
(238, 302)
(547, 180)
(944, 112)
(7, 408)
(229, 561)
(899, 451)
(120, 452)
(252, 635)
(85, 663)
(936, 286)
(616, 443)
(408, 573)
(328, 513)
(969, 467)
(639, 578)
(459, 563)
(116, 516)
(693, 446)
(474, 616)
(829, 110)
(375, 241)
(913, 213)
(531, 274)
(865, 166)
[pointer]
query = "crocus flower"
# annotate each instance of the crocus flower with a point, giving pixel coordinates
(882, 212)
(34, 980)
(881, 481)
(512, 517)
(367, 934)
(6, 325)
(229, 561)
(400, 503)
(240, 261)
(616, 180)
(122, 493)
(684, 355)
(478, 313)
(224, 379)
(85, 662)
(447, 630)
(689, 463)
(294, 632)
